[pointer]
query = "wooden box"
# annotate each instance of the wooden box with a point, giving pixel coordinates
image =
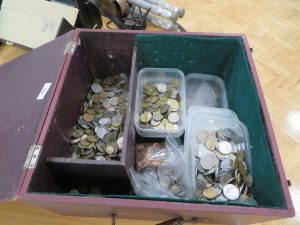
(41, 96)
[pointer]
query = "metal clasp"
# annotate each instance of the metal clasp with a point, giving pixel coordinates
(32, 157)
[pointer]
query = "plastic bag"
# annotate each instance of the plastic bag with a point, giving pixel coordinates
(163, 171)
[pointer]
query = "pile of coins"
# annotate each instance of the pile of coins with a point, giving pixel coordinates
(166, 173)
(149, 154)
(100, 129)
(172, 181)
(221, 171)
(160, 106)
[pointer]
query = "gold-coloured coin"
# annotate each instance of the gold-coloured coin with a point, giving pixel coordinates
(155, 105)
(84, 142)
(146, 104)
(109, 149)
(210, 193)
(165, 121)
(92, 139)
(95, 98)
(145, 117)
(170, 126)
(210, 143)
(178, 98)
(153, 99)
(248, 180)
(90, 111)
(90, 146)
(236, 163)
(88, 117)
(242, 168)
(202, 135)
(88, 131)
(109, 137)
(240, 156)
(121, 99)
(81, 146)
(77, 133)
(104, 94)
(116, 124)
(173, 104)
(239, 178)
(175, 83)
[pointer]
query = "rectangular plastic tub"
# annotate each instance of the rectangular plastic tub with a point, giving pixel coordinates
(151, 76)
(205, 90)
(210, 120)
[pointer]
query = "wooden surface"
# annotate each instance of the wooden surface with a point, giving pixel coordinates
(273, 30)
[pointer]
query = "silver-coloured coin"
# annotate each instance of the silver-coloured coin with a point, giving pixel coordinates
(225, 178)
(228, 133)
(234, 147)
(199, 167)
(101, 132)
(99, 157)
(226, 164)
(161, 87)
(224, 147)
(120, 142)
(231, 192)
(207, 161)
(96, 88)
(221, 198)
(155, 122)
(201, 150)
(114, 101)
(210, 171)
(111, 94)
(157, 116)
(104, 121)
(173, 117)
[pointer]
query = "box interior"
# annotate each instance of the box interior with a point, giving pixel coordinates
(221, 56)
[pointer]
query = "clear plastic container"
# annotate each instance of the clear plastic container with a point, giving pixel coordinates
(211, 112)
(205, 90)
(209, 119)
(160, 75)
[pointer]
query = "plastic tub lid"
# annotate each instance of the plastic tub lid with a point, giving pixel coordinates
(205, 90)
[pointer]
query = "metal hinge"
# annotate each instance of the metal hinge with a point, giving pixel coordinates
(70, 48)
(32, 156)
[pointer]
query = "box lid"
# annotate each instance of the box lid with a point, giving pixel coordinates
(27, 85)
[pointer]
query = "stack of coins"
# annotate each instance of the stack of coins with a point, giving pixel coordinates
(99, 132)
(221, 171)
(160, 106)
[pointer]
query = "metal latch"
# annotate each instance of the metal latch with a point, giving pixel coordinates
(181, 221)
(32, 156)
(70, 48)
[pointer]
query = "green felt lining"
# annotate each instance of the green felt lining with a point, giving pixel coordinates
(224, 57)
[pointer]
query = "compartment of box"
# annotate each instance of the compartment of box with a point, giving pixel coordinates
(224, 57)
(95, 57)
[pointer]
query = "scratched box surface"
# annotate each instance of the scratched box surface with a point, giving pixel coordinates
(41, 96)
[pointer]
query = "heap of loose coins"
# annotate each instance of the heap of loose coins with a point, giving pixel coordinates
(152, 157)
(160, 106)
(221, 171)
(99, 132)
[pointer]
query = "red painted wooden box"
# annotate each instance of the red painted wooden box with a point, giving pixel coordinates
(41, 96)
